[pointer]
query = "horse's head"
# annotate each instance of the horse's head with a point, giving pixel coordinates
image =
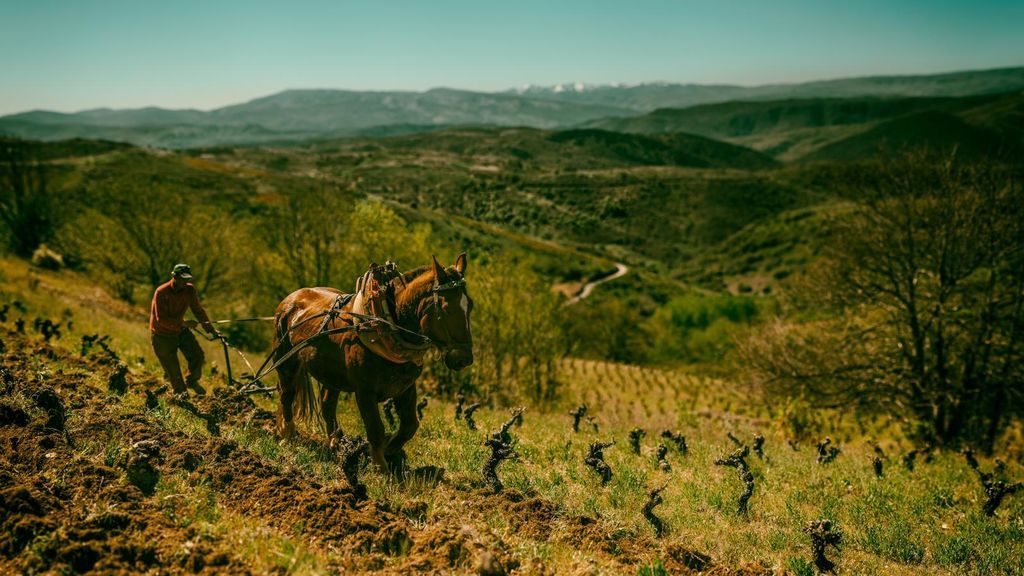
(446, 309)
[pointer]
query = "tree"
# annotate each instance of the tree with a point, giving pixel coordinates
(309, 233)
(323, 236)
(134, 236)
(27, 210)
(378, 234)
(926, 275)
(517, 333)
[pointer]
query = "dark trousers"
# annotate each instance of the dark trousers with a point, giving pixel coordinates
(166, 348)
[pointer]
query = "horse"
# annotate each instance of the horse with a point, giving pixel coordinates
(427, 307)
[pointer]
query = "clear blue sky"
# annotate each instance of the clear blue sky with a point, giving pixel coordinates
(74, 55)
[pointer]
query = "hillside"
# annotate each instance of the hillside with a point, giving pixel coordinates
(939, 132)
(676, 149)
(1003, 115)
(794, 129)
(212, 489)
(737, 118)
(608, 194)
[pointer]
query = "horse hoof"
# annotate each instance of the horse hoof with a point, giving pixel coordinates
(287, 431)
(396, 463)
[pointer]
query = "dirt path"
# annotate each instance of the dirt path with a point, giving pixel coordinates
(620, 271)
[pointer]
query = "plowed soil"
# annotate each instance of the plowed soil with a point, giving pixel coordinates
(69, 505)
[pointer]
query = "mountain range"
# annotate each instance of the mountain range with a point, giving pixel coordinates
(747, 112)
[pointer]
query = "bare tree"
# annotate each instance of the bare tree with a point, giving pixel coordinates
(135, 235)
(925, 275)
(310, 233)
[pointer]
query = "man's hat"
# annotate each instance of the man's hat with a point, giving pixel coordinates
(182, 271)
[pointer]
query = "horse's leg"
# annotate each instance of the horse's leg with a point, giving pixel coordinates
(329, 409)
(408, 421)
(288, 375)
(366, 400)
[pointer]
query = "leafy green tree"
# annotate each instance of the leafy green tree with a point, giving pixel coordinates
(518, 336)
(698, 327)
(377, 234)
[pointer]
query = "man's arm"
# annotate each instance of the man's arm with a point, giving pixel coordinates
(200, 313)
(157, 308)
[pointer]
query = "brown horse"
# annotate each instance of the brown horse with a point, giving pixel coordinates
(431, 307)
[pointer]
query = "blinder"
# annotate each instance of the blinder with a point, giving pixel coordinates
(438, 288)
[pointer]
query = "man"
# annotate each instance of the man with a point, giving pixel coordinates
(170, 332)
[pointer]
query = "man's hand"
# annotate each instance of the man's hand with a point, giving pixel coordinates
(191, 323)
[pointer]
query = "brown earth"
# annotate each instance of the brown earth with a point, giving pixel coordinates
(65, 511)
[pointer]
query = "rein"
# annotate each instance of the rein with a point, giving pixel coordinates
(363, 325)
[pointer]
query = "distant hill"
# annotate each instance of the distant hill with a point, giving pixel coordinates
(583, 149)
(1004, 115)
(343, 111)
(795, 129)
(739, 118)
(649, 97)
(654, 199)
(667, 150)
(302, 115)
(935, 130)
(298, 115)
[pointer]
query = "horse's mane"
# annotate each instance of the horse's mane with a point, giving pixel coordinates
(407, 298)
(408, 275)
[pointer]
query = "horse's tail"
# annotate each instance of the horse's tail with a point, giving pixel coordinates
(307, 404)
(307, 400)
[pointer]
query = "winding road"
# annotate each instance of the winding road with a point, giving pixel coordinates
(620, 271)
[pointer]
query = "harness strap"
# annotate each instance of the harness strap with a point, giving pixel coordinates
(438, 288)
(296, 349)
(384, 343)
(367, 323)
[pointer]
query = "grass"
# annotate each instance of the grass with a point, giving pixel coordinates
(928, 520)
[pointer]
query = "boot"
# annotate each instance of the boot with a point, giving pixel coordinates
(199, 390)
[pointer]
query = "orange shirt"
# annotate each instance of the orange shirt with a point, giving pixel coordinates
(167, 313)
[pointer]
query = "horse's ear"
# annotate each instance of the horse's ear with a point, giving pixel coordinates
(460, 264)
(438, 269)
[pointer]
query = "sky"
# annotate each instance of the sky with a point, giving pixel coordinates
(73, 55)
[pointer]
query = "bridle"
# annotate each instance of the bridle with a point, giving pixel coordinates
(438, 288)
(435, 303)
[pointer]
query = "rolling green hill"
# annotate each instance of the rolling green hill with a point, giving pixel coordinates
(794, 129)
(676, 149)
(650, 200)
(738, 118)
(1003, 115)
(938, 131)
(487, 149)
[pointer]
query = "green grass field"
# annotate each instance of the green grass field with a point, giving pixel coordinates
(924, 521)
